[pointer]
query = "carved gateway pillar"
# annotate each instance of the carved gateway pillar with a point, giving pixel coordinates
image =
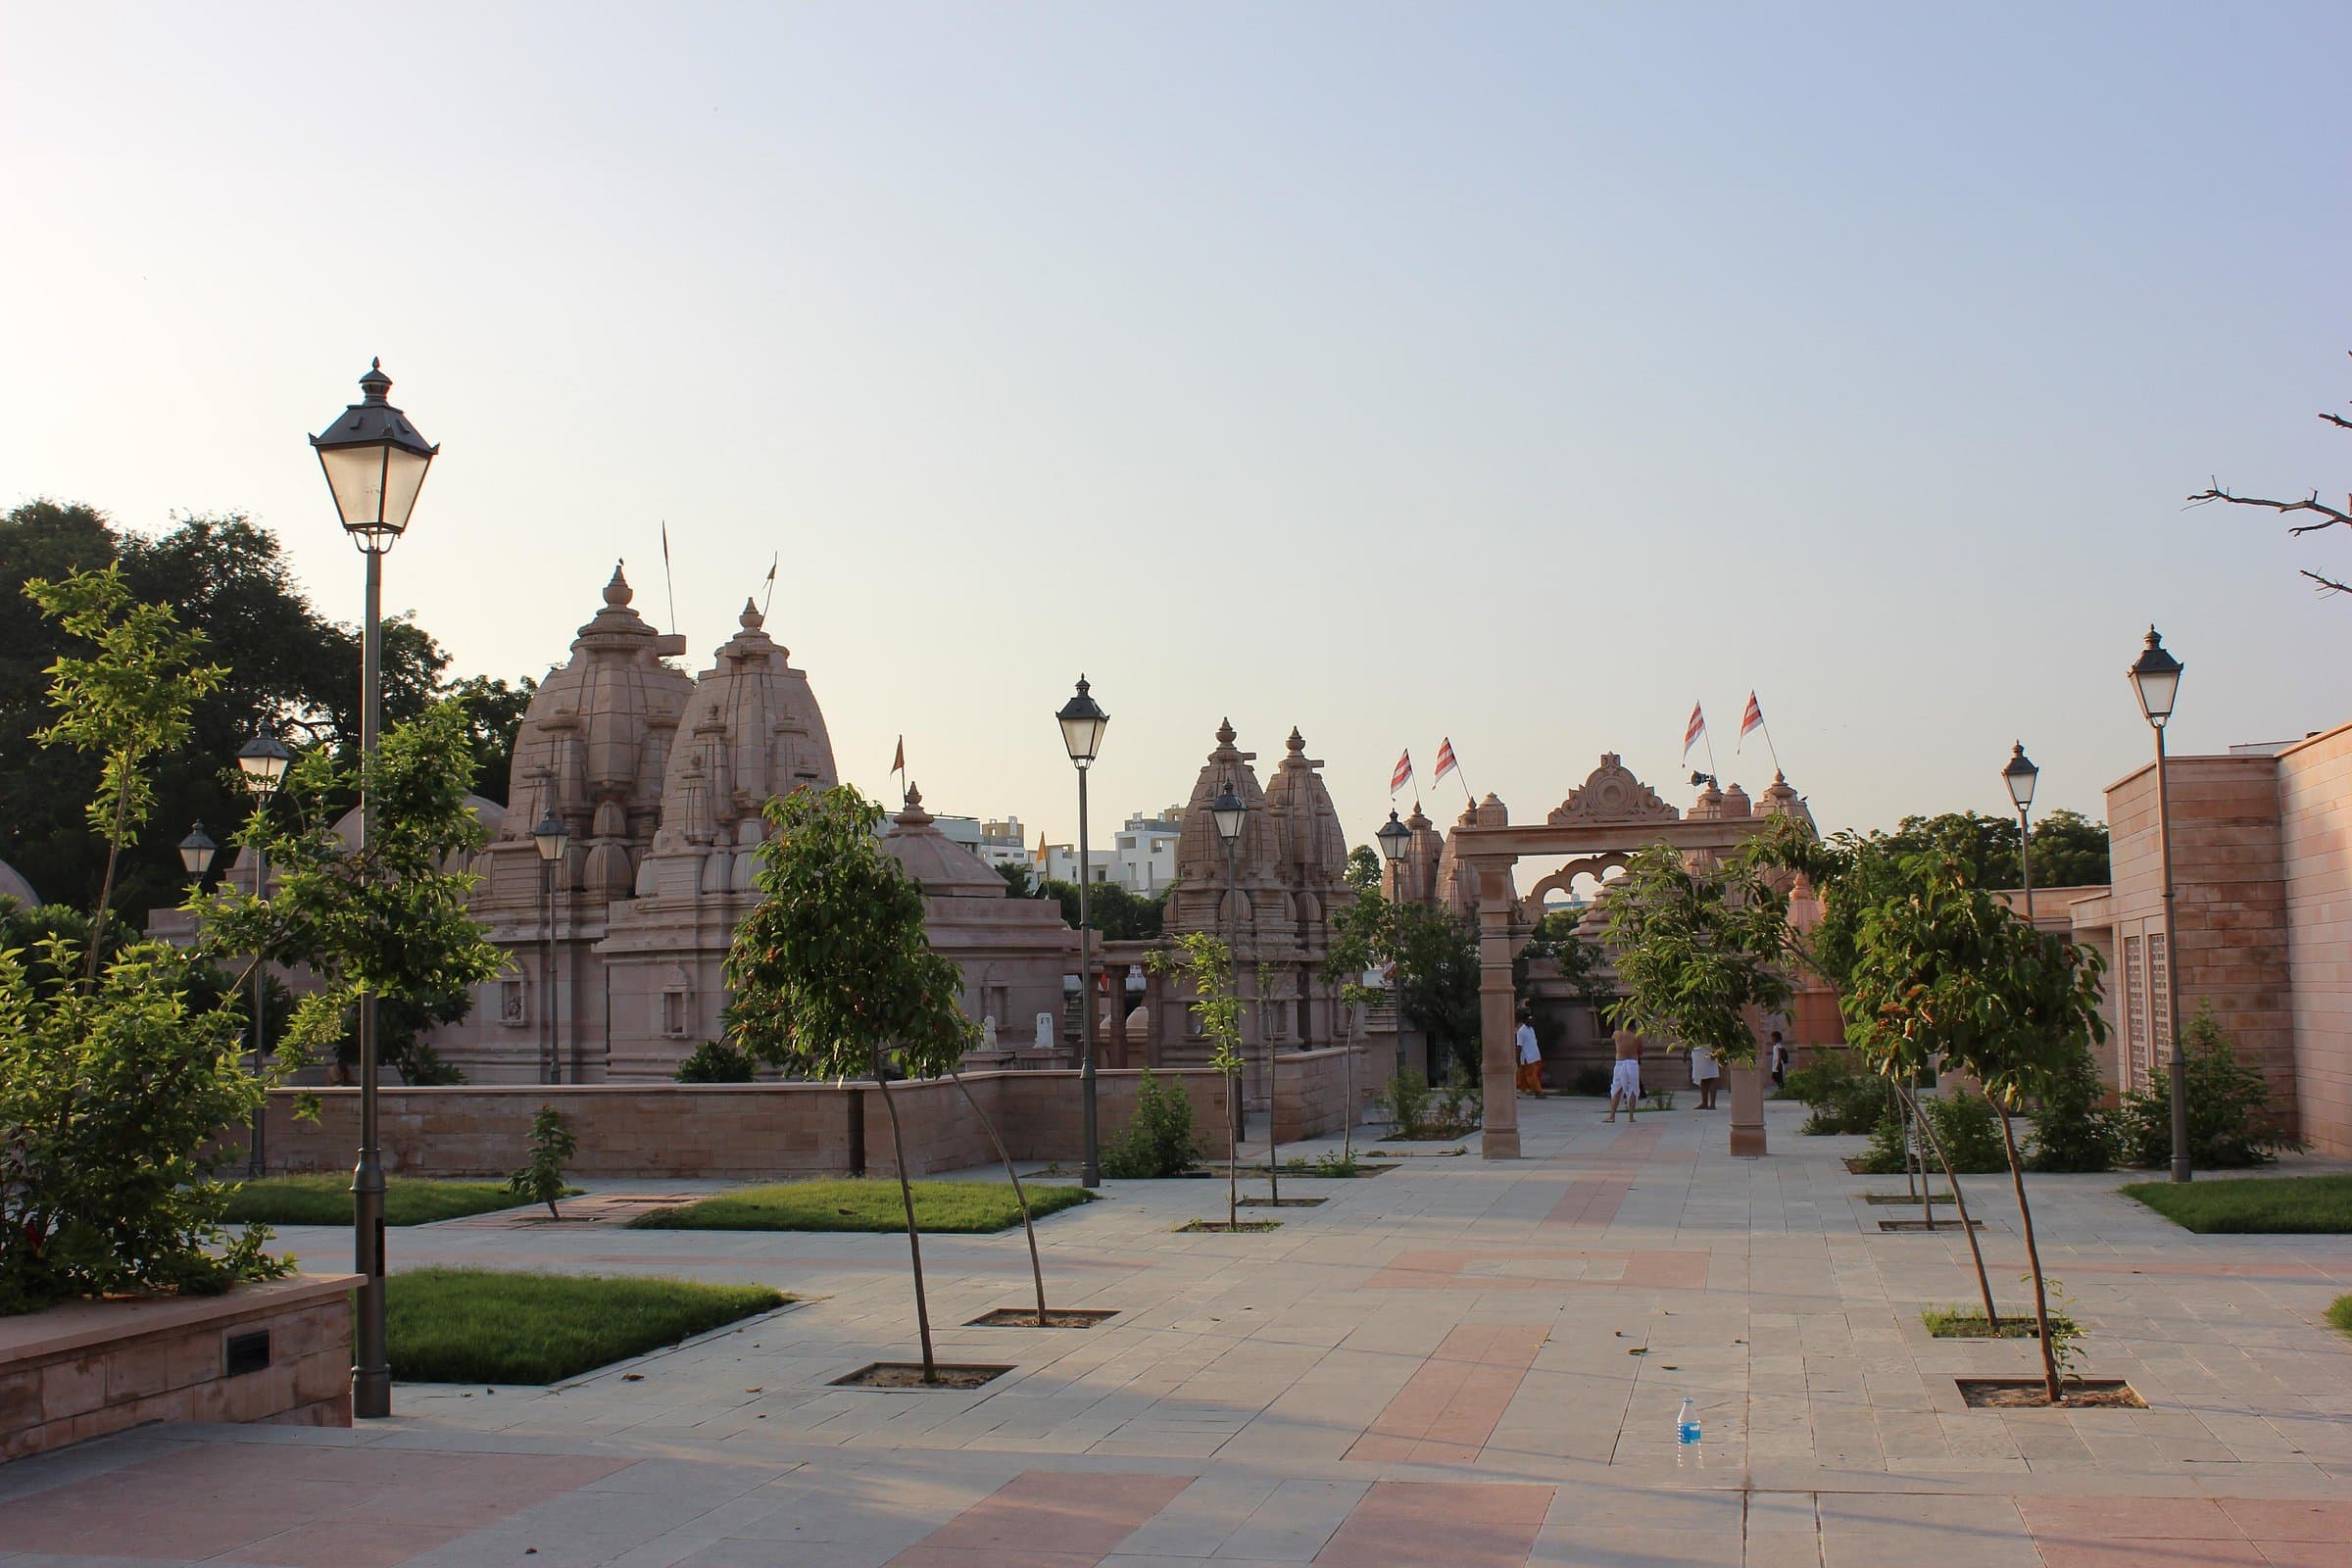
(1498, 1058)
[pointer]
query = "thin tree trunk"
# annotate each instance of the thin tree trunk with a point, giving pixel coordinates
(105, 888)
(1037, 1271)
(1902, 1114)
(1233, 1155)
(914, 1244)
(1924, 1139)
(2042, 1294)
(1975, 1249)
(1273, 1139)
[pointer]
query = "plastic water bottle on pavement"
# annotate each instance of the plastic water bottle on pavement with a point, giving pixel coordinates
(1686, 1425)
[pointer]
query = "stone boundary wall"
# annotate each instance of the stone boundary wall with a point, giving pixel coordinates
(1310, 1091)
(725, 1131)
(82, 1369)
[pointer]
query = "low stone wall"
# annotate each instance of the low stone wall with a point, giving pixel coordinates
(1310, 1091)
(723, 1131)
(88, 1368)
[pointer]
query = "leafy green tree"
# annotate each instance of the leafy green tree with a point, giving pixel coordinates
(1701, 951)
(2069, 851)
(1946, 971)
(1362, 871)
(116, 1076)
(833, 976)
(282, 664)
(2232, 1119)
(1432, 957)
(128, 703)
(1207, 964)
(1020, 879)
(1119, 916)
(112, 1096)
(389, 921)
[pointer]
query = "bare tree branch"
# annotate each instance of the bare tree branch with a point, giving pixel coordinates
(2338, 421)
(2310, 503)
(2329, 585)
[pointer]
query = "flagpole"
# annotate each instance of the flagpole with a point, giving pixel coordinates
(1768, 746)
(772, 561)
(670, 583)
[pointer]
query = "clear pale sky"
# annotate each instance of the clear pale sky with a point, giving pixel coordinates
(1517, 374)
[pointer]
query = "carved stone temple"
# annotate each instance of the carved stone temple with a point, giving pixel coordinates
(659, 780)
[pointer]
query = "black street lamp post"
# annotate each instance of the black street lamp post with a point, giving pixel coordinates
(2020, 776)
(552, 840)
(196, 851)
(263, 761)
(1083, 722)
(2156, 680)
(1231, 813)
(1394, 837)
(375, 462)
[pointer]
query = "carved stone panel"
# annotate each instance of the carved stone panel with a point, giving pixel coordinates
(1612, 797)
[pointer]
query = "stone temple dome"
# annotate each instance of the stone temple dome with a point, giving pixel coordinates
(751, 731)
(945, 867)
(593, 747)
(14, 886)
(1313, 841)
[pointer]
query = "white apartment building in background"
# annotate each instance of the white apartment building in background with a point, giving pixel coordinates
(1144, 854)
(1060, 863)
(1142, 858)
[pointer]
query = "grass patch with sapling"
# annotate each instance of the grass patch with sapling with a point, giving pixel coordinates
(326, 1200)
(1968, 1323)
(2291, 1206)
(957, 1209)
(461, 1325)
(2339, 1314)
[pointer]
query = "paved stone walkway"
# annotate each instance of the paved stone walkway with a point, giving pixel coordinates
(1458, 1363)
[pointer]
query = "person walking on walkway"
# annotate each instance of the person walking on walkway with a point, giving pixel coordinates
(1707, 1074)
(1780, 1060)
(1624, 1080)
(1531, 1059)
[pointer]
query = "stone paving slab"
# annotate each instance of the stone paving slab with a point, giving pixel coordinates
(1457, 1362)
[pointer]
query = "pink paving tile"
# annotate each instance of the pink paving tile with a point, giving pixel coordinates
(1462, 1524)
(2291, 1519)
(1450, 1406)
(1590, 1201)
(1050, 1518)
(1666, 1271)
(2303, 1553)
(2091, 1519)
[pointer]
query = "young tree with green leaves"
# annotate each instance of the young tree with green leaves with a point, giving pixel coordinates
(1700, 950)
(128, 703)
(833, 976)
(115, 1077)
(390, 920)
(1946, 971)
(1207, 965)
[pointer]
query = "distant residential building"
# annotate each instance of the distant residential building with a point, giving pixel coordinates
(1002, 843)
(1143, 852)
(1058, 863)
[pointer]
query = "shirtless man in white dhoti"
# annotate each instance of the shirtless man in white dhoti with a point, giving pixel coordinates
(1625, 1079)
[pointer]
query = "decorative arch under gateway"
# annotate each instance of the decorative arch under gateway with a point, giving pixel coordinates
(1601, 822)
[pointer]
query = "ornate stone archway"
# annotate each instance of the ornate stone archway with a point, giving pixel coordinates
(1608, 817)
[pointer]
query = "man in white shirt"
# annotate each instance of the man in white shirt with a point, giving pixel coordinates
(1531, 1059)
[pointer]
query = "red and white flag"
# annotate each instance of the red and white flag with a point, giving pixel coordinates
(1693, 730)
(1753, 720)
(1446, 761)
(1404, 770)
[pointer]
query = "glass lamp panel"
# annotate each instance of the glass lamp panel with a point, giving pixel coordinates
(1083, 735)
(2157, 689)
(356, 475)
(403, 477)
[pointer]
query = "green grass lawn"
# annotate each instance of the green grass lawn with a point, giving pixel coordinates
(2307, 1206)
(326, 1200)
(956, 1208)
(463, 1325)
(2339, 1314)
